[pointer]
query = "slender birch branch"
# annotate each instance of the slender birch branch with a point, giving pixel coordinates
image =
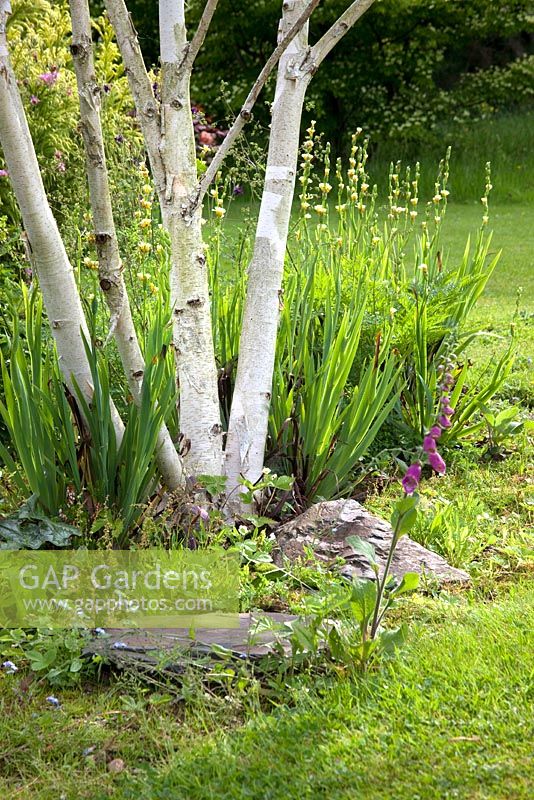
(110, 267)
(140, 86)
(245, 114)
(197, 41)
(340, 27)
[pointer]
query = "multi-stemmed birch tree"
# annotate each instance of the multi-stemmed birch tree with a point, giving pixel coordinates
(167, 126)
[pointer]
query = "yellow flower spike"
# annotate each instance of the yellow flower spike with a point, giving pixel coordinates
(436, 199)
(325, 188)
(413, 214)
(144, 247)
(364, 187)
(159, 249)
(304, 205)
(320, 209)
(219, 212)
(340, 208)
(145, 223)
(153, 288)
(140, 275)
(307, 157)
(146, 189)
(354, 196)
(146, 204)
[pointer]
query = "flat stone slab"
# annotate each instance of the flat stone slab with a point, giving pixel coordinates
(324, 528)
(174, 648)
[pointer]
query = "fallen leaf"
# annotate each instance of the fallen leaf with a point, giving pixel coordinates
(116, 766)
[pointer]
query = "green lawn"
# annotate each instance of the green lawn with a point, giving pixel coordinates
(449, 718)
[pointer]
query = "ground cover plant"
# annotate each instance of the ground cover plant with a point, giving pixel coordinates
(402, 376)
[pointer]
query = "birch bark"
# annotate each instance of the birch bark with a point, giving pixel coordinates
(200, 420)
(45, 246)
(169, 138)
(249, 416)
(247, 433)
(110, 267)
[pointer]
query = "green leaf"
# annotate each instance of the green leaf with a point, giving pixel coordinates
(30, 529)
(409, 582)
(364, 548)
(363, 600)
(390, 640)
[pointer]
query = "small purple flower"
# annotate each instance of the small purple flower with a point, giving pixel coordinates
(410, 482)
(201, 513)
(448, 411)
(119, 646)
(437, 463)
(53, 701)
(4, 173)
(237, 190)
(49, 77)
(435, 431)
(429, 444)
(444, 399)
(444, 421)
(10, 667)
(34, 100)
(61, 166)
(119, 138)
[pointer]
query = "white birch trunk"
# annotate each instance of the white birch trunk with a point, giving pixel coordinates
(110, 267)
(249, 416)
(197, 373)
(45, 246)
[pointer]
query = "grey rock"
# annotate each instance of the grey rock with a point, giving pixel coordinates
(323, 529)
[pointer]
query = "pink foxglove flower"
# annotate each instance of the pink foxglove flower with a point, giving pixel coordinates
(444, 421)
(437, 463)
(410, 482)
(429, 444)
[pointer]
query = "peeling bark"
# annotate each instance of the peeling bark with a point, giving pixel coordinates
(110, 267)
(200, 420)
(249, 416)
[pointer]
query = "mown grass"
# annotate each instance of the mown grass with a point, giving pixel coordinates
(448, 718)
(507, 141)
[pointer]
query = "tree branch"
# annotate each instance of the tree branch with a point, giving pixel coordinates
(140, 86)
(245, 114)
(340, 27)
(200, 34)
